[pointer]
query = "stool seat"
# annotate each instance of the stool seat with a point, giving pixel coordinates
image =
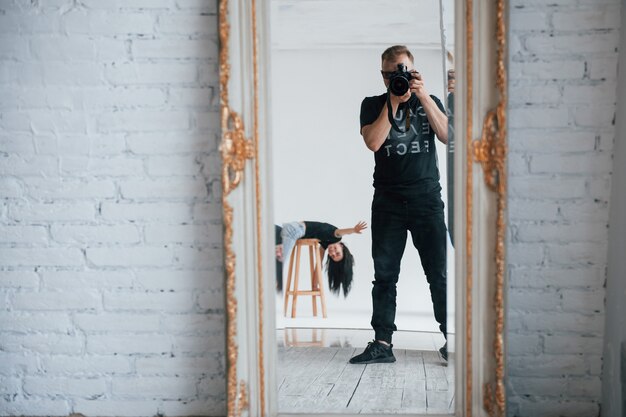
(316, 253)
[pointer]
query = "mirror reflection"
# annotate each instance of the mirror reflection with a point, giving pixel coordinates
(361, 97)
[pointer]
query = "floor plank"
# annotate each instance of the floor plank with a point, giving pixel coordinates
(320, 379)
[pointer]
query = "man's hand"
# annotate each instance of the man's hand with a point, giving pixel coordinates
(396, 100)
(451, 80)
(279, 252)
(416, 85)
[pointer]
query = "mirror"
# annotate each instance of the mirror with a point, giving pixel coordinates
(323, 65)
(252, 203)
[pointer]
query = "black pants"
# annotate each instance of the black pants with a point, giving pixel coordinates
(392, 216)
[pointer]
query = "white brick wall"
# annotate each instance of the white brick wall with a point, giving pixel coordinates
(111, 293)
(563, 79)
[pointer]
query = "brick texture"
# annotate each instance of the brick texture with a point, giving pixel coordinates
(562, 82)
(110, 253)
(110, 230)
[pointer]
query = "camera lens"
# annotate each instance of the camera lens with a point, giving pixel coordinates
(398, 85)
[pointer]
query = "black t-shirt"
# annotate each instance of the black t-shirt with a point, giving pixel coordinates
(278, 238)
(406, 163)
(323, 231)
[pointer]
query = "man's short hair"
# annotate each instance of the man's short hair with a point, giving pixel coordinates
(393, 52)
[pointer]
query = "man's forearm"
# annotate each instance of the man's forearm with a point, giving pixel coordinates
(436, 118)
(375, 134)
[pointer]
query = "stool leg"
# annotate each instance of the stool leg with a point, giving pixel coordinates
(295, 284)
(289, 274)
(318, 270)
(313, 280)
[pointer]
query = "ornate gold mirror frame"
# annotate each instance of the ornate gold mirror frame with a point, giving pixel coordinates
(481, 29)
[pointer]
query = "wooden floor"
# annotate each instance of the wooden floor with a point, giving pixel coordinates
(320, 379)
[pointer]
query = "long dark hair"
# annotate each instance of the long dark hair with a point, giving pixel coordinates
(340, 273)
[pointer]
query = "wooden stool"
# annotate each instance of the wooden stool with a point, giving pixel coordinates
(316, 252)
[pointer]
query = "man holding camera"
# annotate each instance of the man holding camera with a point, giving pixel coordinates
(400, 127)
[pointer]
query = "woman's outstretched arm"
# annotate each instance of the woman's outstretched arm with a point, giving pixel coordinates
(360, 226)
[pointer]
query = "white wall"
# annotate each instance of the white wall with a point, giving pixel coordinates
(562, 90)
(323, 171)
(111, 276)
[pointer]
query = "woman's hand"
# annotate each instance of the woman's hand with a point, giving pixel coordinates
(356, 229)
(360, 226)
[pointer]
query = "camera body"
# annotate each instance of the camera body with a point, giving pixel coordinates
(399, 81)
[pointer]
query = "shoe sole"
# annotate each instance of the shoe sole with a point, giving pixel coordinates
(384, 360)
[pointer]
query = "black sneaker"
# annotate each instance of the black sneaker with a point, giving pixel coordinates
(375, 352)
(444, 351)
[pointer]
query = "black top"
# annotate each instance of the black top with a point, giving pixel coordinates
(278, 238)
(323, 231)
(406, 163)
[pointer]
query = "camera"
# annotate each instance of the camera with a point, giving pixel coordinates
(399, 81)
